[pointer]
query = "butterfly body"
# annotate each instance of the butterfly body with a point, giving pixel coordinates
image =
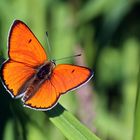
(42, 74)
(29, 74)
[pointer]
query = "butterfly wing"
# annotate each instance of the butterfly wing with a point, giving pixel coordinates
(24, 46)
(25, 53)
(63, 79)
(45, 98)
(14, 76)
(68, 77)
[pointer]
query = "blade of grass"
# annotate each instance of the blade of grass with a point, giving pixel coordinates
(71, 128)
(136, 129)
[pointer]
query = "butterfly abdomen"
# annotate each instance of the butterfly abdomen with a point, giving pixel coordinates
(32, 88)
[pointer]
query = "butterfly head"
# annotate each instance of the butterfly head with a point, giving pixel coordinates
(53, 61)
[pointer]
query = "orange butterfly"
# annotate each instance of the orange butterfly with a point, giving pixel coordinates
(29, 74)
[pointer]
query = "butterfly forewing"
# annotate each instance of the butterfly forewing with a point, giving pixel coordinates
(15, 75)
(24, 46)
(68, 77)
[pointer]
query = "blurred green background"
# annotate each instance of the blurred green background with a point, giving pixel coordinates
(107, 33)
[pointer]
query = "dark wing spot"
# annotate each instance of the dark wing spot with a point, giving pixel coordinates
(29, 40)
(72, 71)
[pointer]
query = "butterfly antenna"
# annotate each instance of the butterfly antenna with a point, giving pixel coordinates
(49, 47)
(68, 57)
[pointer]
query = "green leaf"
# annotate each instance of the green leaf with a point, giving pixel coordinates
(136, 133)
(69, 125)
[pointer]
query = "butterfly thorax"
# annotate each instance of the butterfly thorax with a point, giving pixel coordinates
(43, 73)
(45, 70)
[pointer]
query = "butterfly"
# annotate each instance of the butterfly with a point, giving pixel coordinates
(30, 75)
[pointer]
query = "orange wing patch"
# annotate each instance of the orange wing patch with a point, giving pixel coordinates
(68, 77)
(14, 75)
(45, 98)
(24, 46)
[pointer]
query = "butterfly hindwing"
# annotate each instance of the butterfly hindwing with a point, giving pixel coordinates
(45, 98)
